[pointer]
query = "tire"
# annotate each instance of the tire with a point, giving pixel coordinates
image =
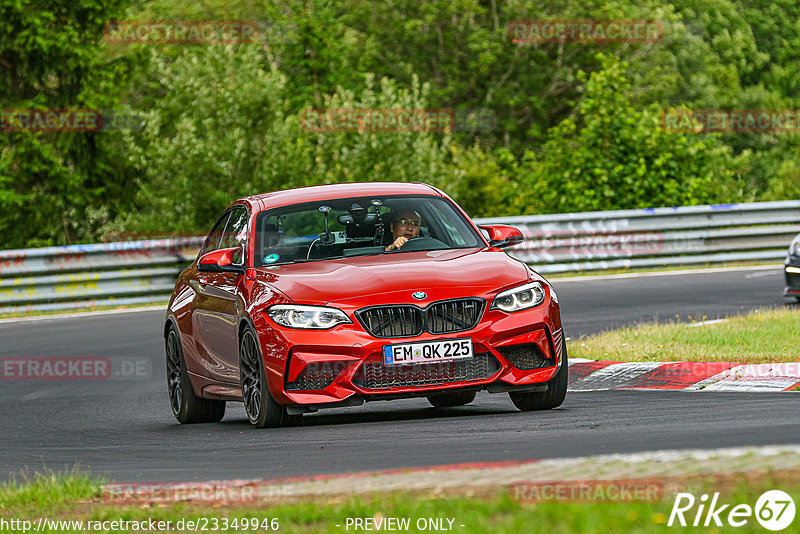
(187, 407)
(450, 400)
(546, 400)
(261, 408)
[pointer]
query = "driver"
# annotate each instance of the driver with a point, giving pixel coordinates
(405, 225)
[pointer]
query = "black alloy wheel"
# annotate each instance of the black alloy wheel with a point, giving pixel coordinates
(261, 408)
(186, 406)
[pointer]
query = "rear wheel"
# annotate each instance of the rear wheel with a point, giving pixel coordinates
(449, 400)
(186, 406)
(545, 400)
(261, 408)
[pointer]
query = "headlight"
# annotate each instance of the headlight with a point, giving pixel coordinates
(519, 298)
(319, 317)
(794, 248)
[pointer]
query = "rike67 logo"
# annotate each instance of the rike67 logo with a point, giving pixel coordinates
(774, 510)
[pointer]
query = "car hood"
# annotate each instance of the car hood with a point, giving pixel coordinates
(441, 274)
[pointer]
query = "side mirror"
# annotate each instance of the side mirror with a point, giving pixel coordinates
(220, 261)
(502, 236)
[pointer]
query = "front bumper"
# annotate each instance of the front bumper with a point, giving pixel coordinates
(791, 272)
(311, 369)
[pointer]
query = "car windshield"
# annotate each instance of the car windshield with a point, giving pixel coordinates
(361, 226)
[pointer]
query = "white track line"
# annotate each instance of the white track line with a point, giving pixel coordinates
(81, 314)
(704, 323)
(589, 278)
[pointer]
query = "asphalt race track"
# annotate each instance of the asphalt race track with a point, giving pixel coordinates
(122, 427)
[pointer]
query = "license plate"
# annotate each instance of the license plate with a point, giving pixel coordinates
(427, 351)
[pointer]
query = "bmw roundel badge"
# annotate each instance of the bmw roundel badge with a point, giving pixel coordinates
(420, 295)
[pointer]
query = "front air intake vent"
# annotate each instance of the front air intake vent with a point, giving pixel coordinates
(526, 356)
(316, 375)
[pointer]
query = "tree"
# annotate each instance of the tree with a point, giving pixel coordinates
(223, 128)
(53, 186)
(612, 156)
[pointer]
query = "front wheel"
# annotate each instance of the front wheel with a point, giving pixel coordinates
(186, 406)
(261, 408)
(545, 400)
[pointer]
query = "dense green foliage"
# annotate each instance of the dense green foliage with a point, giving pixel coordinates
(578, 125)
(54, 187)
(612, 156)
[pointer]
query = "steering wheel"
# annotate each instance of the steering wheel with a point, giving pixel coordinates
(423, 243)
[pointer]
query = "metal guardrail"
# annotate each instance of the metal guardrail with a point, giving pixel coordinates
(81, 276)
(690, 235)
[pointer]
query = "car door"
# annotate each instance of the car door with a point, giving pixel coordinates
(218, 305)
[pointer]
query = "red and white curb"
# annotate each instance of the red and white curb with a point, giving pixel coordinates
(467, 477)
(598, 375)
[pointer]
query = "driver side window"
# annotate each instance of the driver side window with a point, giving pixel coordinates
(235, 234)
(214, 238)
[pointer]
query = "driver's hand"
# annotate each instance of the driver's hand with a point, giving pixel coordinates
(399, 242)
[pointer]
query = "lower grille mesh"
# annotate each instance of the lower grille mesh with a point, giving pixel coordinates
(316, 376)
(526, 357)
(379, 376)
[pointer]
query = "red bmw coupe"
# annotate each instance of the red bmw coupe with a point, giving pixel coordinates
(333, 295)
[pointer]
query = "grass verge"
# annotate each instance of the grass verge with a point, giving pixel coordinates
(763, 336)
(75, 497)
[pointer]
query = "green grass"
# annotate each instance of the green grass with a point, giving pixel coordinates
(45, 492)
(763, 336)
(76, 497)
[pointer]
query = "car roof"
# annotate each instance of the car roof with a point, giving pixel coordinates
(324, 192)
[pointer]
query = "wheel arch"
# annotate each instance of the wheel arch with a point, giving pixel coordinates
(244, 322)
(170, 321)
